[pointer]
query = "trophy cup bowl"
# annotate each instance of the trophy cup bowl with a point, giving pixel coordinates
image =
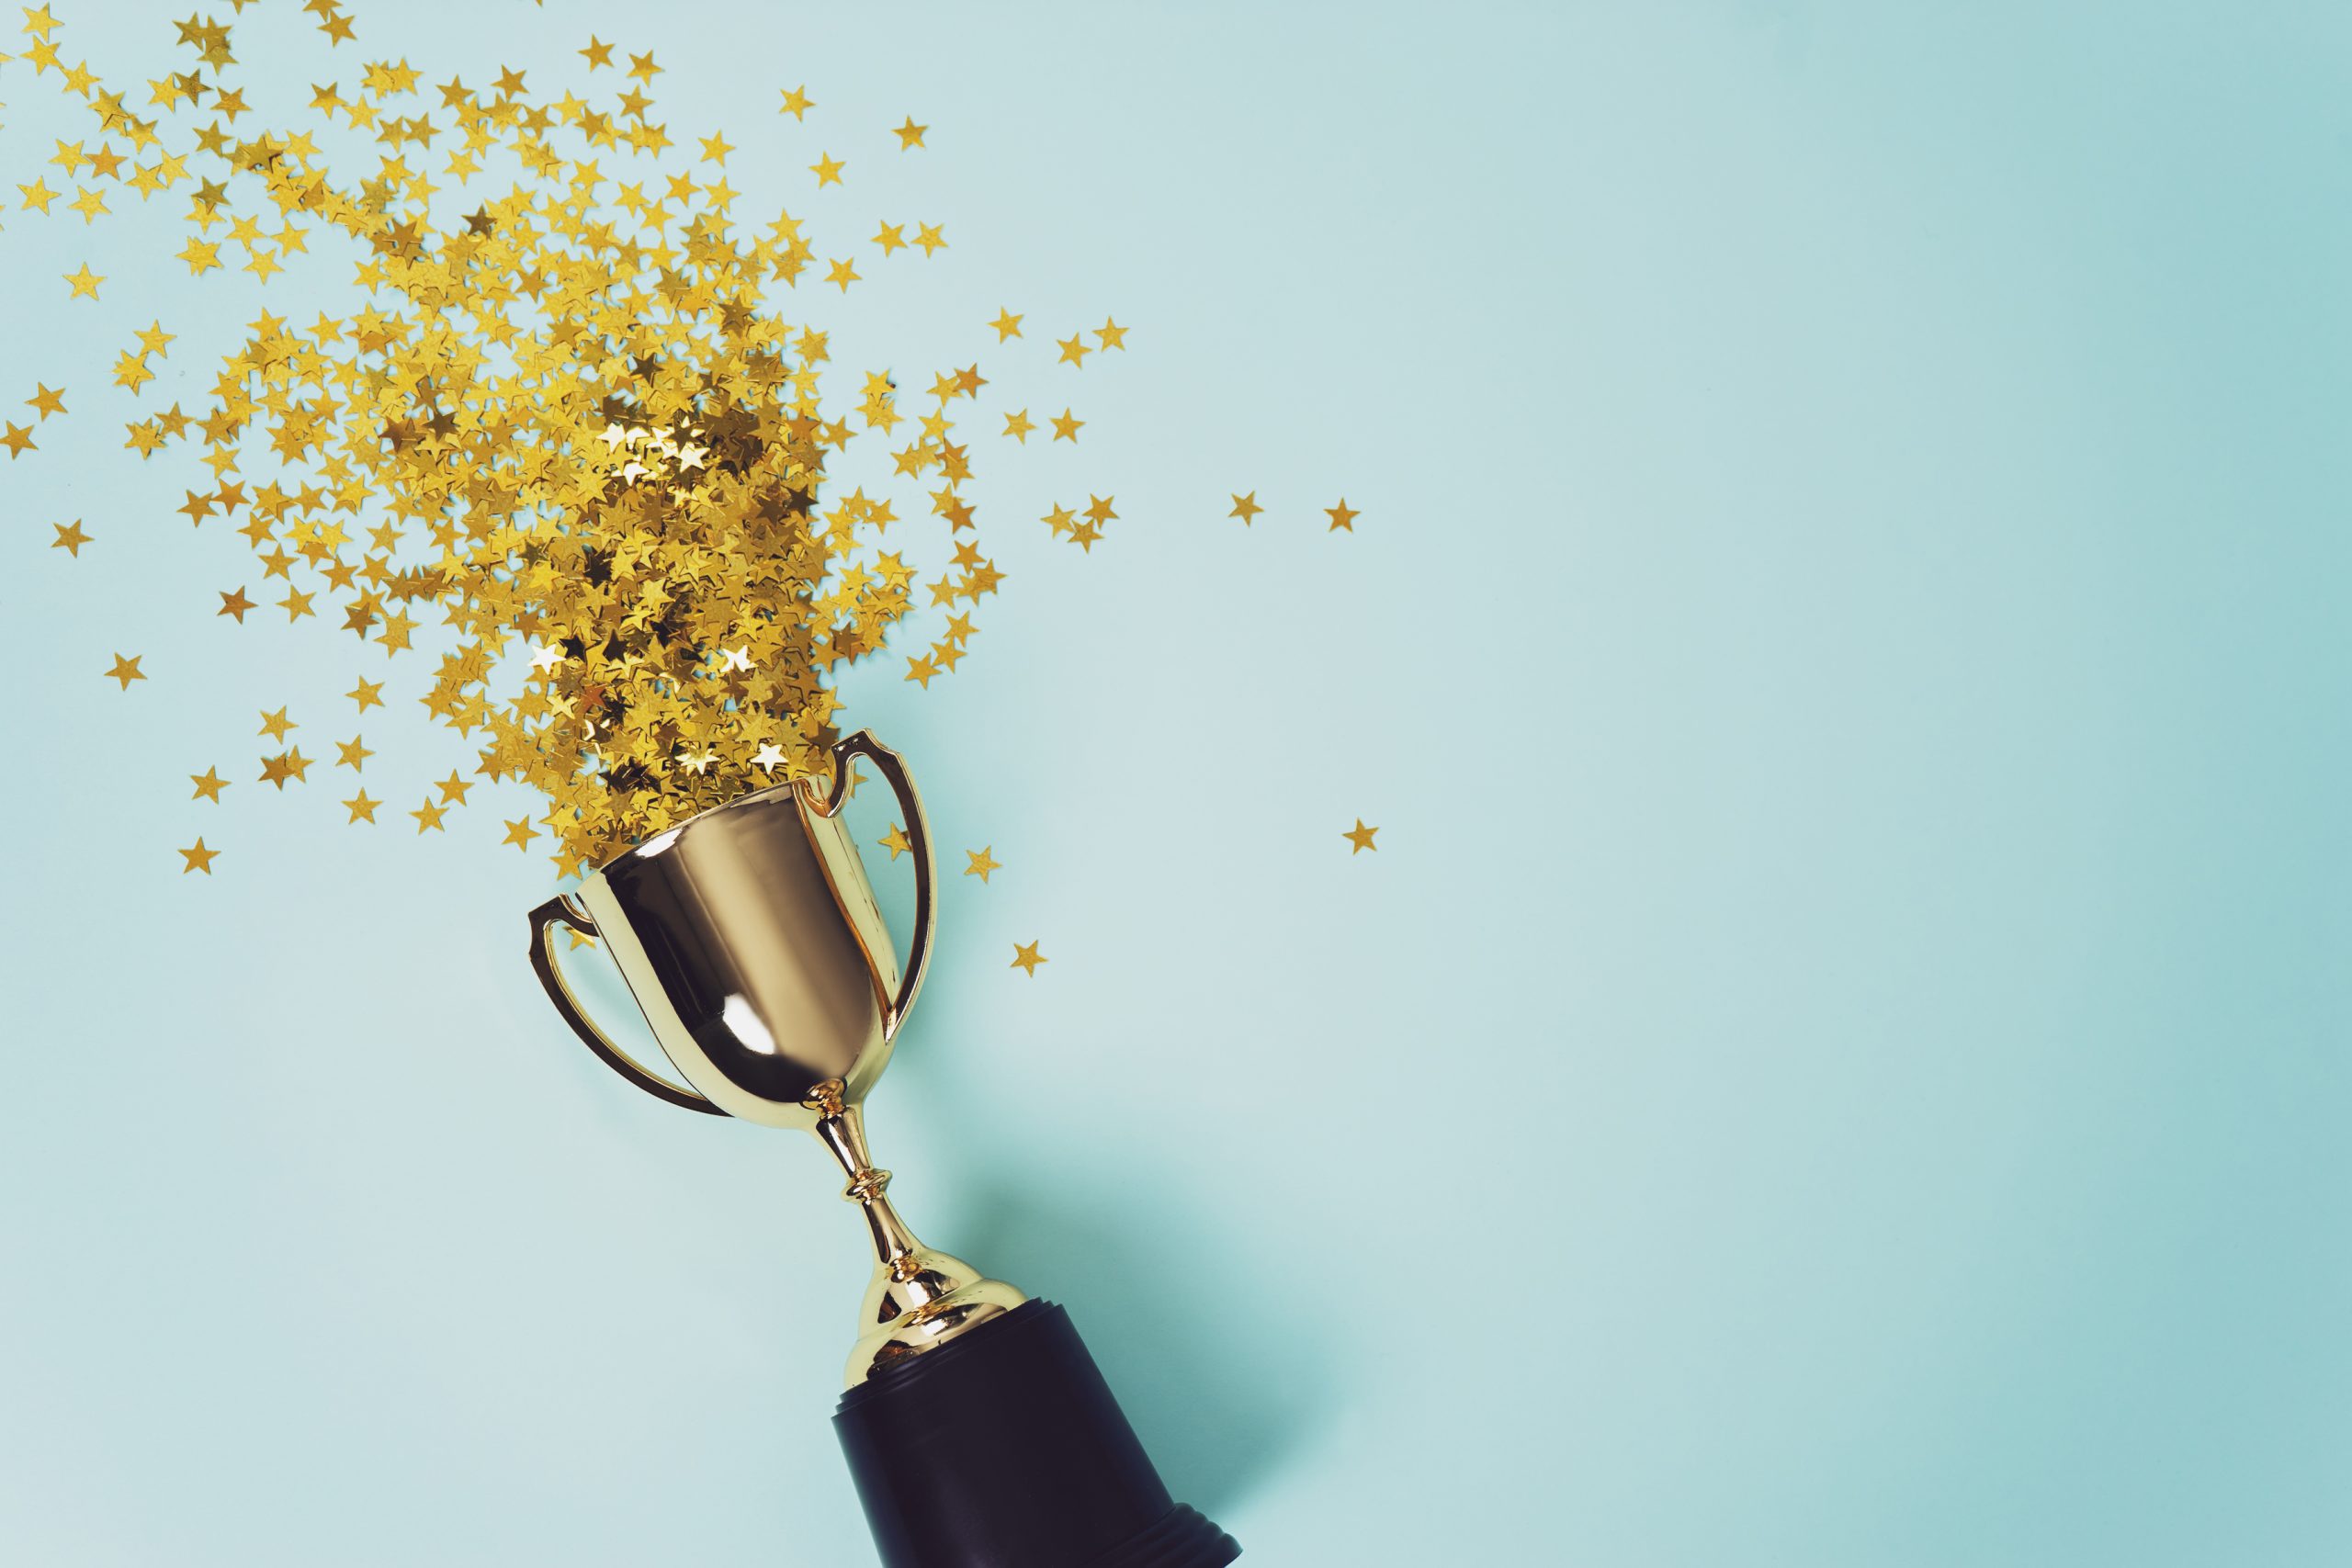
(978, 1428)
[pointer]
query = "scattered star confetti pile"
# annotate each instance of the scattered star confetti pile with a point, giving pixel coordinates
(564, 419)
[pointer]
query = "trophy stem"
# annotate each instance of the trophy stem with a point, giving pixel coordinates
(918, 1298)
(843, 1132)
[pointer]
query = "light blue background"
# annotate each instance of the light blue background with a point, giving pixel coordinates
(1838, 1057)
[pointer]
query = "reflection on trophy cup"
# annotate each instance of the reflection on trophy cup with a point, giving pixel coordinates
(752, 940)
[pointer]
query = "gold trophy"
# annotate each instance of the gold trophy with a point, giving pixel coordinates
(978, 1428)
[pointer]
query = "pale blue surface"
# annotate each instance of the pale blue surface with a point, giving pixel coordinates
(1838, 1058)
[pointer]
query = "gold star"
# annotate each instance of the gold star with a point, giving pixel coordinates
(642, 66)
(1361, 838)
(1026, 958)
(895, 840)
(155, 340)
(18, 440)
(1340, 516)
(286, 765)
(1074, 351)
(208, 784)
(1246, 507)
(828, 169)
(46, 400)
(364, 694)
(126, 670)
(982, 862)
(888, 237)
(70, 537)
(598, 53)
(927, 236)
(234, 603)
(453, 788)
(427, 816)
(199, 857)
(275, 725)
(797, 103)
(844, 273)
(1066, 428)
(84, 282)
(354, 753)
(1007, 324)
(519, 834)
(1018, 427)
(910, 134)
(1113, 334)
(362, 809)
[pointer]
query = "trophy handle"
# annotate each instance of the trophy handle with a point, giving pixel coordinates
(562, 911)
(894, 773)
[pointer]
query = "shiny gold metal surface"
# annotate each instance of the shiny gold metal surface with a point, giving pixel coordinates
(752, 942)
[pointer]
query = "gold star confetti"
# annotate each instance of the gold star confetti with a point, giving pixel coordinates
(286, 765)
(70, 537)
(198, 858)
(208, 784)
(352, 755)
(275, 725)
(126, 670)
(982, 862)
(1360, 838)
(1341, 516)
(520, 833)
(895, 840)
(1246, 507)
(130, 370)
(1026, 958)
(560, 443)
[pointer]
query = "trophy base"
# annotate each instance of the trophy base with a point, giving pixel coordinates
(1004, 1449)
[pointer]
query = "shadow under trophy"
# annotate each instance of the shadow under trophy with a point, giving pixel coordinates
(977, 1428)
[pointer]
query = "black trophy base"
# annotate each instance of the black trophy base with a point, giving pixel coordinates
(1004, 1449)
